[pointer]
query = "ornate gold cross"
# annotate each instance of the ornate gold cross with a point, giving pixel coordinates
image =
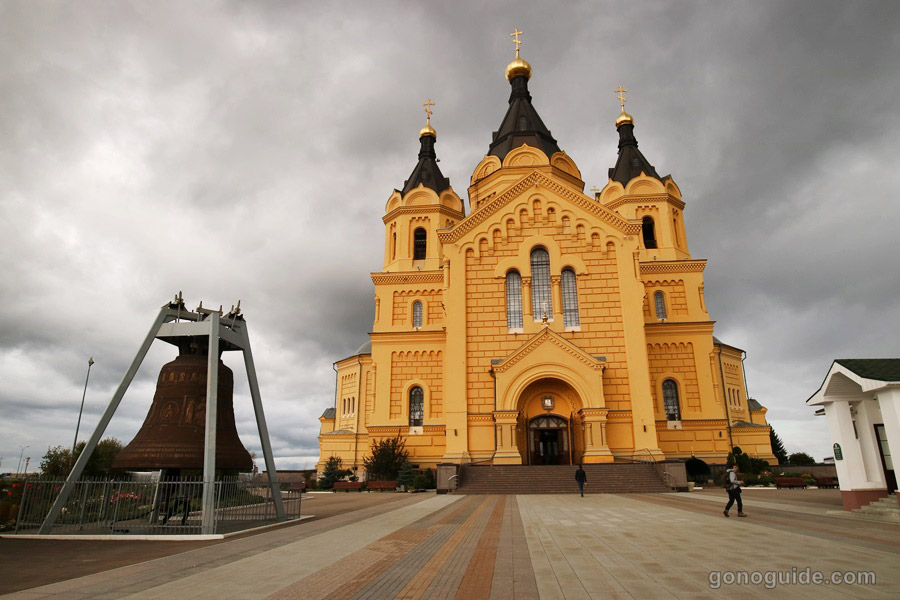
(428, 112)
(515, 34)
(621, 91)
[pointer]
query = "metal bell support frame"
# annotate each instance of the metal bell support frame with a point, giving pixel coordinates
(174, 321)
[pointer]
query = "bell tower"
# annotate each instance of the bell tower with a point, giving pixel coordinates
(636, 191)
(414, 214)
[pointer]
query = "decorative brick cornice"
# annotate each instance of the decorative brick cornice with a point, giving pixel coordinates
(643, 199)
(548, 336)
(662, 424)
(480, 418)
(417, 277)
(673, 266)
(619, 415)
(532, 179)
(416, 210)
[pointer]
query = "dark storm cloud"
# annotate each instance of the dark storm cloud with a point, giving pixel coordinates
(246, 151)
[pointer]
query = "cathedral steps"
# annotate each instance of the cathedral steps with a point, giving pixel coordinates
(614, 478)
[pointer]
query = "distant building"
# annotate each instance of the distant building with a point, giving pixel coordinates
(547, 325)
(860, 399)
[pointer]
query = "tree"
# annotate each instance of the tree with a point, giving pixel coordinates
(58, 461)
(387, 456)
(778, 448)
(405, 475)
(333, 472)
(801, 459)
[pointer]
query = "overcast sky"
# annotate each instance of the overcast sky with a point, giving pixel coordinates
(245, 150)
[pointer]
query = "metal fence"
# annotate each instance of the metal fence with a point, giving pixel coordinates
(151, 507)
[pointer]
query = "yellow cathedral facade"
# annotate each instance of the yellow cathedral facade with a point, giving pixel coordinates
(544, 326)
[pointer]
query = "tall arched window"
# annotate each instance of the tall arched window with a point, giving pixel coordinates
(570, 299)
(420, 237)
(541, 295)
(416, 407)
(513, 300)
(649, 233)
(659, 302)
(417, 314)
(670, 400)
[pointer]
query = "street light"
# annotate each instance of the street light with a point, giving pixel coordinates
(83, 394)
(21, 454)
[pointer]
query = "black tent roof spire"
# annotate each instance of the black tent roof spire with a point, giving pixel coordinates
(426, 171)
(521, 125)
(631, 162)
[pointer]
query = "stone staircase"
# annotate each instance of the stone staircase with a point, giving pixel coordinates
(612, 478)
(885, 509)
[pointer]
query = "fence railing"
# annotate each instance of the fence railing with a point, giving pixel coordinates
(644, 456)
(150, 507)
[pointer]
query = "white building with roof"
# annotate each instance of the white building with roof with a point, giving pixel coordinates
(860, 398)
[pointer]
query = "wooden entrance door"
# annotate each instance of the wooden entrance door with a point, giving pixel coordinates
(887, 462)
(548, 441)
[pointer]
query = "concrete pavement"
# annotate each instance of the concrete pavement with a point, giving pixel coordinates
(498, 547)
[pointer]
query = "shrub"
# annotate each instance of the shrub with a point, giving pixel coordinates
(333, 472)
(405, 475)
(386, 459)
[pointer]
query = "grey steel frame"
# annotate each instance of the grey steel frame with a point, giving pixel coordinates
(174, 321)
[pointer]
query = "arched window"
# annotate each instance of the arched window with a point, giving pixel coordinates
(649, 233)
(420, 236)
(416, 407)
(393, 245)
(417, 314)
(541, 295)
(670, 400)
(514, 300)
(659, 302)
(570, 299)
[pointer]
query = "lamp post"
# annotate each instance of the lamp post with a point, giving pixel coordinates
(83, 394)
(21, 454)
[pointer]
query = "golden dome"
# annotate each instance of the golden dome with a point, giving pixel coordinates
(518, 67)
(428, 130)
(624, 118)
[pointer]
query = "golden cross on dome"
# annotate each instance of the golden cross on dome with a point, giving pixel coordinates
(621, 91)
(595, 189)
(515, 34)
(428, 112)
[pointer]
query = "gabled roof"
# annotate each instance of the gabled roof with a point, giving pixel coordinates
(529, 181)
(521, 125)
(631, 162)
(848, 377)
(879, 369)
(328, 414)
(718, 342)
(745, 424)
(753, 404)
(426, 171)
(548, 336)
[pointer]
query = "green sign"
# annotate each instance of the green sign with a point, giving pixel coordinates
(838, 455)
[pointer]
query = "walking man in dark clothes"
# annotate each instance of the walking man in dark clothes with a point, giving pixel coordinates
(580, 477)
(734, 492)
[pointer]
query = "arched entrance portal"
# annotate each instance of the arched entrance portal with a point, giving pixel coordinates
(549, 423)
(548, 441)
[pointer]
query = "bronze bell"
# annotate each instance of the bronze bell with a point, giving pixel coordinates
(172, 436)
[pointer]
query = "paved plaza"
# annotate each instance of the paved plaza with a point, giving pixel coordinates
(535, 546)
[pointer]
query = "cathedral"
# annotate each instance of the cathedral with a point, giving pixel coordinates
(545, 325)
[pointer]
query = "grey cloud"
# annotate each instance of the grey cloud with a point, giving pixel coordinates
(247, 151)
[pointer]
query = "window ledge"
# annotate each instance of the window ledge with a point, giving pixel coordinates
(516, 330)
(574, 328)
